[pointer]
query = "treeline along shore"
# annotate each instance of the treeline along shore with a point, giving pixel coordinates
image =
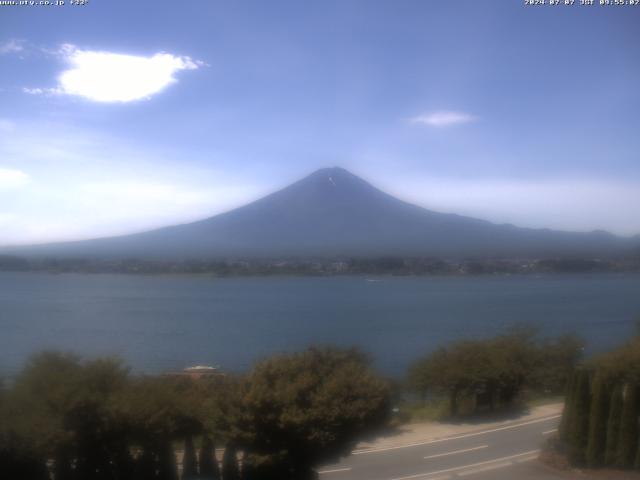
(387, 265)
(65, 418)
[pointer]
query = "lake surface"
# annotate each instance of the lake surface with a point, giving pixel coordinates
(157, 323)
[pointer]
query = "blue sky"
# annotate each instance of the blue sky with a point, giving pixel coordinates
(120, 116)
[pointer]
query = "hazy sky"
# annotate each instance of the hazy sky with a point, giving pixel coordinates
(122, 115)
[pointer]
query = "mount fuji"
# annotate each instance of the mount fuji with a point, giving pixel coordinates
(335, 213)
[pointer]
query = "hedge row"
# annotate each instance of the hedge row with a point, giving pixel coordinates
(599, 426)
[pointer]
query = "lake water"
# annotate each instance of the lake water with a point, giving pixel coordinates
(157, 323)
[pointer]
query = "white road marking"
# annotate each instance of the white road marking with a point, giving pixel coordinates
(486, 468)
(457, 451)
(550, 431)
(501, 460)
(335, 470)
(467, 435)
(527, 459)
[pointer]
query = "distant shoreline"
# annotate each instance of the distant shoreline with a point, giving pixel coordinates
(374, 266)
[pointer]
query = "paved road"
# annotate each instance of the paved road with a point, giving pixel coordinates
(505, 452)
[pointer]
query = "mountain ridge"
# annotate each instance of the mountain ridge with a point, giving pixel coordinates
(332, 212)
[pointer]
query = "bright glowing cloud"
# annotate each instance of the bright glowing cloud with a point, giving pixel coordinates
(109, 208)
(83, 184)
(5, 218)
(113, 77)
(443, 119)
(10, 178)
(11, 46)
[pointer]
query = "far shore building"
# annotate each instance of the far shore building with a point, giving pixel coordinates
(196, 372)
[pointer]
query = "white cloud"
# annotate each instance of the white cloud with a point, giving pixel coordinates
(11, 178)
(443, 118)
(33, 91)
(103, 76)
(113, 77)
(41, 91)
(11, 46)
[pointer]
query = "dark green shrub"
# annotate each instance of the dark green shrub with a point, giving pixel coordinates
(579, 429)
(613, 426)
(628, 442)
(598, 422)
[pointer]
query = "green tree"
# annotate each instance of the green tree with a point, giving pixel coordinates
(514, 356)
(249, 469)
(628, 442)
(167, 468)
(613, 426)
(189, 460)
(313, 406)
(598, 422)
(156, 414)
(579, 429)
(209, 469)
(459, 371)
(230, 469)
(434, 374)
(567, 413)
(64, 407)
(18, 459)
(487, 371)
(266, 467)
(146, 464)
(62, 466)
(556, 360)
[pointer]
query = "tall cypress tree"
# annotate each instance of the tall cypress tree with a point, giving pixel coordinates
(62, 466)
(248, 469)
(189, 461)
(230, 469)
(122, 463)
(209, 469)
(613, 426)
(628, 441)
(579, 428)
(565, 421)
(598, 422)
(17, 461)
(167, 469)
(145, 464)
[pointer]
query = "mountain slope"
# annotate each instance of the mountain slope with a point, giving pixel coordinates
(333, 212)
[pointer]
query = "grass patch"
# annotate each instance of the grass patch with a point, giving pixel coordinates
(542, 400)
(433, 410)
(437, 409)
